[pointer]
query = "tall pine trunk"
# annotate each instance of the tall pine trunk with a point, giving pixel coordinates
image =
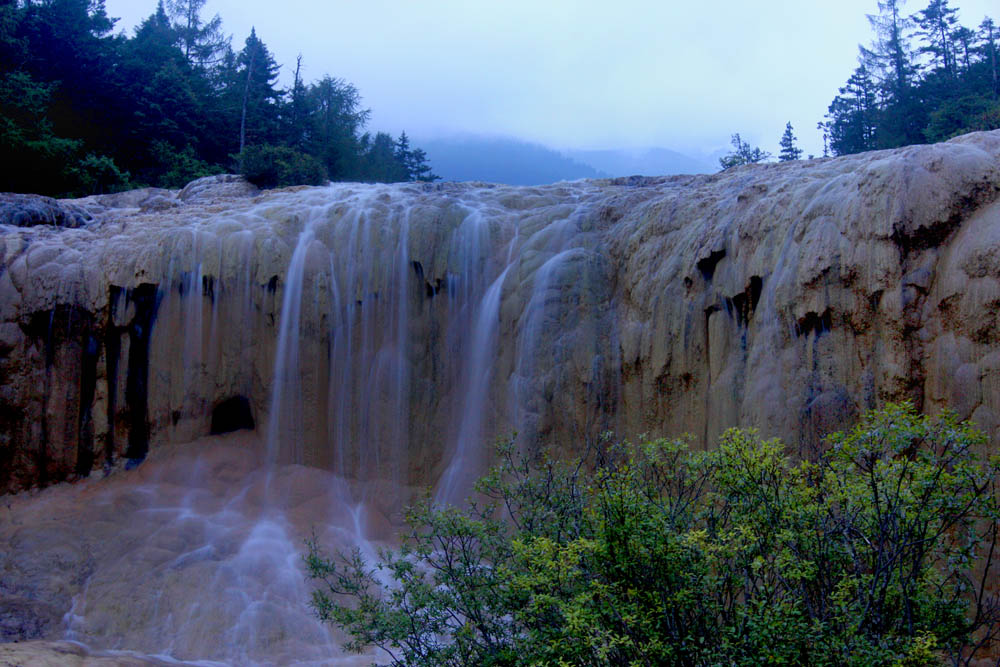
(243, 115)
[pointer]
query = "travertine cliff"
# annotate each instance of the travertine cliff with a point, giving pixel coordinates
(388, 332)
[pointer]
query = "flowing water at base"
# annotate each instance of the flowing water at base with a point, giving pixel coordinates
(365, 329)
(194, 556)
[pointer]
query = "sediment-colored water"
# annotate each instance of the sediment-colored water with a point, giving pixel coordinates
(194, 556)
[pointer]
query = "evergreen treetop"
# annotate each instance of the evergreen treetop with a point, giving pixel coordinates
(945, 85)
(789, 151)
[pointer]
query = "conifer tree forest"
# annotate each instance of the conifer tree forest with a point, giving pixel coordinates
(924, 78)
(86, 109)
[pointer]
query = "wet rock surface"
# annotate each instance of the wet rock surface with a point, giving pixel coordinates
(70, 654)
(213, 188)
(19, 210)
(22, 619)
(391, 332)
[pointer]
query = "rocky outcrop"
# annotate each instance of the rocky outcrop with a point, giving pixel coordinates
(29, 210)
(793, 296)
(390, 331)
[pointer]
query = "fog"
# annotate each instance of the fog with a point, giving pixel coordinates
(574, 73)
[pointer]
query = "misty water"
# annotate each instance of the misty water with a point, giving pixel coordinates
(196, 555)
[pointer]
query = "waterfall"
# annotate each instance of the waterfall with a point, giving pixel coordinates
(467, 452)
(250, 369)
(398, 314)
(284, 431)
(378, 338)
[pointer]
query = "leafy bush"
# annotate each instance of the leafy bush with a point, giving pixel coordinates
(269, 166)
(98, 175)
(175, 168)
(877, 552)
(961, 116)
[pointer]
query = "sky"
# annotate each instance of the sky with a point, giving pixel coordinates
(574, 73)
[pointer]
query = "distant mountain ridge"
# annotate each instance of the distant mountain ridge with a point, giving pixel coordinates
(508, 161)
(517, 162)
(641, 162)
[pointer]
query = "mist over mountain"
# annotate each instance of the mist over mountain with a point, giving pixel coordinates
(641, 161)
(502, 160)
(517, 162)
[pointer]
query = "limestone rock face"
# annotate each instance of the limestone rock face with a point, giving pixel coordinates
(391, 332)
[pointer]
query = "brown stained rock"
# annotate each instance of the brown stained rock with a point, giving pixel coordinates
(790, 297)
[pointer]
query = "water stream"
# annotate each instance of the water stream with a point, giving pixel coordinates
(363, 327)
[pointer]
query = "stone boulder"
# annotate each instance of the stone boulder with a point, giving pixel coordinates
(20, 210)
(222, 186)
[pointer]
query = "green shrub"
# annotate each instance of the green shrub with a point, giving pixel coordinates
(269, 166)
(867, 555)
(99, 175)
(175, 168)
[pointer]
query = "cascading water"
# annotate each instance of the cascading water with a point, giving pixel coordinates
(385, 306)
(467, 455)
(362, 327)
(284, 430)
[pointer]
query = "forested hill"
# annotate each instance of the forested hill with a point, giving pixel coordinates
(84, 110)
(924, 78)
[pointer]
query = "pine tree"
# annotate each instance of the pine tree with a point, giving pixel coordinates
(70, 43)
(825, 129)
(853, 115)
(742, 154)
(890, 60)
(380, 162)
(936, 25)
(891, 101)
(203, 42)
(295, 111)
(153, 55)
(789, 151)
(889, 57)
(166, 97)
(83, 109)
(414, 161)
(334, 121)
(258, 73)
(59, 105)
(964, 45)
(991, 53)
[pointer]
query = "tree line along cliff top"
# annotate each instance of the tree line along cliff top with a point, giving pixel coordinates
(88, 111)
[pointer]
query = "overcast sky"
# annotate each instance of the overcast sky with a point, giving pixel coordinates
(574, 74)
